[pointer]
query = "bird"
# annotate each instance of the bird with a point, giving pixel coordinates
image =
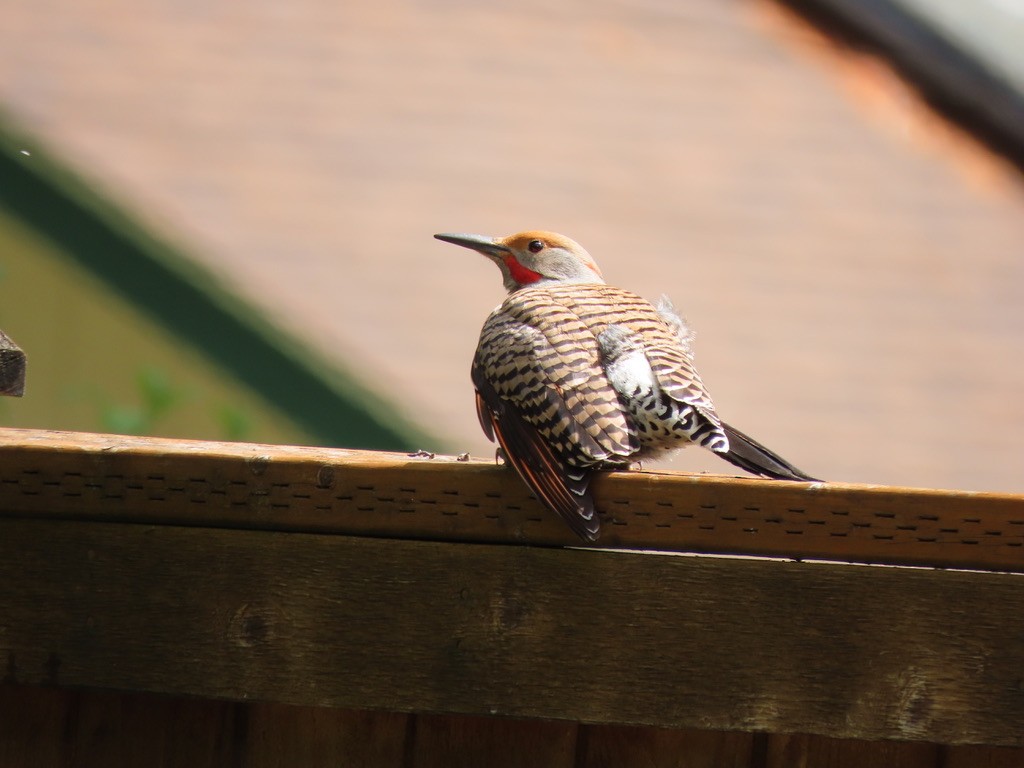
(574, 376)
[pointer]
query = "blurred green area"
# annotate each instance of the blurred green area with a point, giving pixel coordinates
(96, 363)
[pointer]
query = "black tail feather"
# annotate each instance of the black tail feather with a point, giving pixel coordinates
(748, 454)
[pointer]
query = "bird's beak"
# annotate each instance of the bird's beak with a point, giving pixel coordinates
(488, 246)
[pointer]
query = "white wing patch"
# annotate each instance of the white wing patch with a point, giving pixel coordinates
(625, 363)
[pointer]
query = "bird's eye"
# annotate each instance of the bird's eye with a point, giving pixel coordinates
(536, 246)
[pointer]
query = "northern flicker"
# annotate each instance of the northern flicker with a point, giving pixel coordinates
(573, 375)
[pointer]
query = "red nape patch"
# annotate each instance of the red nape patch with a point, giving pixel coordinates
(521, 274)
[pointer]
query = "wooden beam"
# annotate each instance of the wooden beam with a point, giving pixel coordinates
(74, 476)
(12, 367)
(569, 634)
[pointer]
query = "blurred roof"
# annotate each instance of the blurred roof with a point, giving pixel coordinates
(966, 59)
(990, 31)
(851, 264)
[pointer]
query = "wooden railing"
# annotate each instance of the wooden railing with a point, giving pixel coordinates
(410, 600)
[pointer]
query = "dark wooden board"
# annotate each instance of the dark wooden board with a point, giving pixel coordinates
(581, 635)
(46, 728)
(277, 736)
(55, 728)
(821, 752)
(624, 746)
(446, 741)
(982, 757)
(51, 728)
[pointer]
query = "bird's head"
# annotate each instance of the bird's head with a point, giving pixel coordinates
(533, 258)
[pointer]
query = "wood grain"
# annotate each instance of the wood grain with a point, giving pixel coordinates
(580, 635)
(12, 367)
(446, 741)
(618, 746)
(803, 751)
(45, 727)
(278, 736)
(982, 757)
(79, 476)
(53, 728)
